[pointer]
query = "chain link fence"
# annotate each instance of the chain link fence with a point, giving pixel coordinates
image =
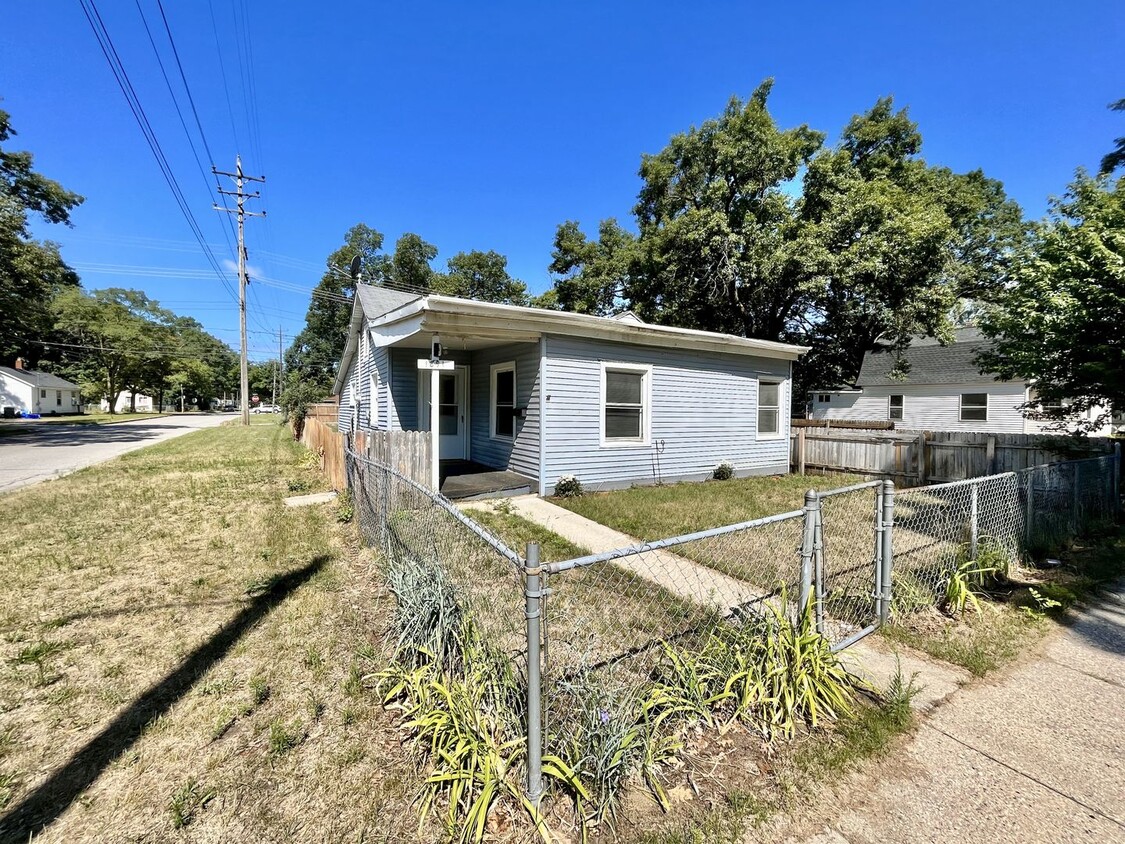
(440, 564)
(603, 626)
(613, 619)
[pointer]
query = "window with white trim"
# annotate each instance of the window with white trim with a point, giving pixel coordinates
(824, 398)
(769, 408)
(625, 404)
(895, 411)
(974, 407)
(503, 401)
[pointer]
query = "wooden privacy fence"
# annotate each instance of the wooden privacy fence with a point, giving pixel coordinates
(324, 440)
(914, 458)
(407, 452)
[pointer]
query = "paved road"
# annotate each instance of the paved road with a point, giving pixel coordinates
(51, 450)
(1037, 755)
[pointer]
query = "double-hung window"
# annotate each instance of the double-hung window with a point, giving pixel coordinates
(625, 404)
(769, 408)
(896, 408)
(974, 407)
(503, 403)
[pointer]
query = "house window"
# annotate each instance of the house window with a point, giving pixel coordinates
(503, 403)
(42, 394)
(824, 398)
(974, 407)
(625, 404)
(58, 398)
(769, 408)
(896, 408)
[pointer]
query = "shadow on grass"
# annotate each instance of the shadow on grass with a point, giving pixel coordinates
(52, 797)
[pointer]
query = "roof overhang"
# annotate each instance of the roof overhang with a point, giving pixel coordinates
(469, 324)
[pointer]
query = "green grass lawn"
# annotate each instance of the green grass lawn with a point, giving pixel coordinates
(181, 655)
(655, 512)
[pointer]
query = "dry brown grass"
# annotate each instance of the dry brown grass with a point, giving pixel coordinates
(116, 577)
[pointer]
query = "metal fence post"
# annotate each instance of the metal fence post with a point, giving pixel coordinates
(1075, 476)
(818, 566)
(974, 496)
(1115, 505)
(878, 533)
(385, 481)
(808, 549)
(1029, 519)
(534, 679)
(887, 559)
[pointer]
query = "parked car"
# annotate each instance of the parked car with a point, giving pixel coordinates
(266, 408)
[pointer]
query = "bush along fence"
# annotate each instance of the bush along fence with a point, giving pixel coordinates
(517, 676)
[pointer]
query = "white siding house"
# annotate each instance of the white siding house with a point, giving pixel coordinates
(613, 401)
(941, 389)
(31, 391)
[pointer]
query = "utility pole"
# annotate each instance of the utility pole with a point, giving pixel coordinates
(242, 213)
(280, 364)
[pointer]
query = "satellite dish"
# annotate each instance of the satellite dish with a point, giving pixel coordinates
(354, 268)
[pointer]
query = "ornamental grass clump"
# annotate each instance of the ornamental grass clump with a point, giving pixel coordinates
(466, 725)
(767, 672)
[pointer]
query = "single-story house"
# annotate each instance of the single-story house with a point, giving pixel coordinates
(144, 403)
(542, 394)
(943, 389)
(31, 391)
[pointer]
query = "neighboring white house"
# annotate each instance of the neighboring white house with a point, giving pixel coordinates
(30, 391)
(145, 404)
(544, 394)
(943, 390)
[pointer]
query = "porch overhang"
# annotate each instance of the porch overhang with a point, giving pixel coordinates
(480, 324)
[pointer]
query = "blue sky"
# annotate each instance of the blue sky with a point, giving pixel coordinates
(486, 127)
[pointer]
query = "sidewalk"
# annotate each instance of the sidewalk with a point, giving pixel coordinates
(871, 659)
(1038, 755)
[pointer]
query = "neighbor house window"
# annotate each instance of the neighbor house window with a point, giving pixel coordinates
(896, 407)
(769, 408)
(503, 401)
(625, 404)
(974, 407)
(58, 397)
(824, 398)
(42, 394)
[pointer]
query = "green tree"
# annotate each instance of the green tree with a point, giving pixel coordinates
(483, 276)
(893, 244)
(592, 276)
(410, 264)
(31, 272)
(716, 225)
(1116, 157)
(315, 353)
(111, 337)
(1060, 323)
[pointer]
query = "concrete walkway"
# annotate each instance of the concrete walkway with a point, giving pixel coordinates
(871, 659)
(1036, 755)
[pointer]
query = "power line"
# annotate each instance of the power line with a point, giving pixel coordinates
(121, 76)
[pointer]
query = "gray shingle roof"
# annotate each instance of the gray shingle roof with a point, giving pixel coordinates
(376, 300)
(44, 380)
(929, 362)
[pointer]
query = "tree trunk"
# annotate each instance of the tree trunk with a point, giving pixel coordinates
(133, 401)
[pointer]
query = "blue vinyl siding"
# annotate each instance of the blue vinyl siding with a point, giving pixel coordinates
(521, 454)
(344, 419)
(381, 365)
(704, 408)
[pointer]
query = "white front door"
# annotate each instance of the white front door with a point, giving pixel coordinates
(453, 411)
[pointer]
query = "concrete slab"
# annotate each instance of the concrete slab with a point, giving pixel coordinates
(310, 500)
(1035, 755)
